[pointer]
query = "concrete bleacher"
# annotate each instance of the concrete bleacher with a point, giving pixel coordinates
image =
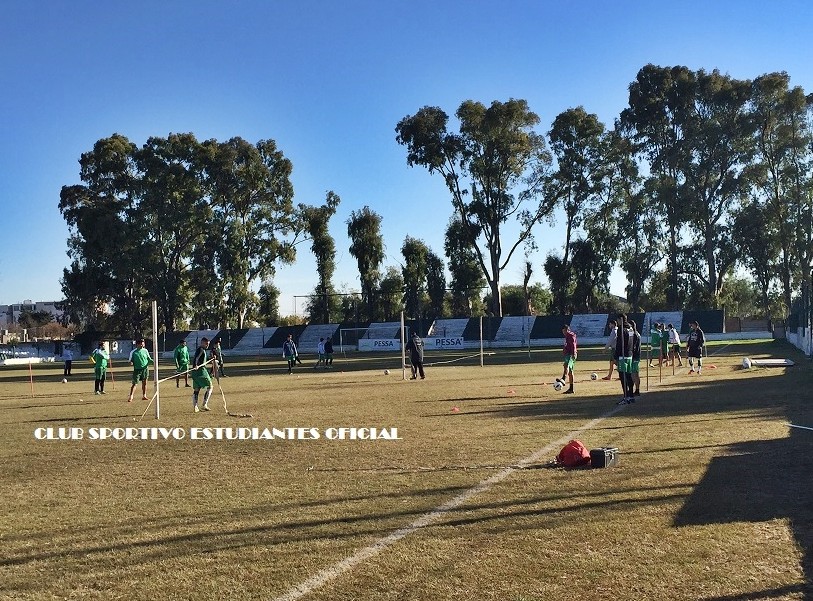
(504, 332)
(253, 341)
(309, 339)
(549, 327)
(449, 328)
(590, 328)
(513, 329)
(194, 337)
(385, 330)
(664, 317)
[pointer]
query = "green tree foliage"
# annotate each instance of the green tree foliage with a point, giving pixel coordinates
(781, 174)
(189, 224)
(316, 219)
(416, 258)
(268, 309)
(515, 303)
(106, 229)
(367, 247)
(741, 298)
(467, 281)
(436, 286)
(561, 283)
(34, 319)
(717, 147)
(591, 272)
(254, 218)
(169, 194)
(493, 169)
(758, 241)
(660, 100)
(581, 185)
(391, 292)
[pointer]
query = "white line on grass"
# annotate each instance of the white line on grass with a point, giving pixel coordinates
(432, 516)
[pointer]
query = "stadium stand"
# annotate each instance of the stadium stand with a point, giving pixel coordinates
(172, 339)
(280, 334)
(383, 330)
(253, 341)
(490, 327)
(549, 326)
(590, 326)
(448, 328)
(309, 339)
(664, 317)
(513, 330)
(194, 337)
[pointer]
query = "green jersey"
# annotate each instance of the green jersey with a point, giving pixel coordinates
(181, 356)
(100, 358)
(140, 358)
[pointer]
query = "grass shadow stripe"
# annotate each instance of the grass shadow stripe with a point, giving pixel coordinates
(435, 515)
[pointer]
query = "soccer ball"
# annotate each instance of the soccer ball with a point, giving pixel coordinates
(64, 380)
(558, 385)
(386, 372)
(594, 376)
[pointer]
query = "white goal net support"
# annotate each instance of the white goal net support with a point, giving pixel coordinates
(386, 337)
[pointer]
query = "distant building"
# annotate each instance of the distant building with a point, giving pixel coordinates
(9, 314)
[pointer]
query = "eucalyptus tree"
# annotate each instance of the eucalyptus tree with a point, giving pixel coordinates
(591, 274)
(367, 247)
(436, 285)
(391, 294)
(268, 309)
(174, 219)
(416, 257)
(660, 102)
(579, 145)
(756, 235)
(628, 225)
(105, 231)
(493, 168)
(467, 279)
(316, 220)
(718, 147)
(254, 223)
(782, 169)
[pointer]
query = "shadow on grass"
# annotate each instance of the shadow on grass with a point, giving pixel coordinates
(156, 539)
(763, 480)
(751, 481)
(773, 593)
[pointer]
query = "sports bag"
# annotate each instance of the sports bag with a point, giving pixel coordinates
(574, 454)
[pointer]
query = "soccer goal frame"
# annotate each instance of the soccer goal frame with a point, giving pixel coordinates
(343, 338)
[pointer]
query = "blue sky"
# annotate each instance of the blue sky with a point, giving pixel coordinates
(328, 81)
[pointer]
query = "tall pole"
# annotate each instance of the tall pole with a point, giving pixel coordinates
(155, 354)
(481, 341)
(403, 347)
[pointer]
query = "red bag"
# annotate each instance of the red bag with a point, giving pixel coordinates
(574, 454)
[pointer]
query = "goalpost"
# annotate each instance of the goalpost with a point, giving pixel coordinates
(350, 337)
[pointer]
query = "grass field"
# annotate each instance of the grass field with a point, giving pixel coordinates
(711, 498)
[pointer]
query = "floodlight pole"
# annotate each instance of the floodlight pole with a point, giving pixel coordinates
(155, 354)
(403, 347)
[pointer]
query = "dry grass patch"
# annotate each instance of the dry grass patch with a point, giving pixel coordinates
(710, 499)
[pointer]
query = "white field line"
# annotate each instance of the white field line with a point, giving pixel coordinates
(430, 517)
